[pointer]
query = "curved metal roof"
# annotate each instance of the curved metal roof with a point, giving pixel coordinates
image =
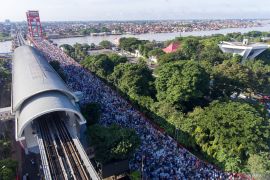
(37, 89)
(31, 75)
(41, 104)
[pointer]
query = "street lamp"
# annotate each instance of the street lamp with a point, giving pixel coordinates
(142, 167)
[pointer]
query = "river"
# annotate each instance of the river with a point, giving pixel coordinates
(157, 36)
(6, 46)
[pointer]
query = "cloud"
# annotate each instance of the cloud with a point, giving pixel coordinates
(135, 9)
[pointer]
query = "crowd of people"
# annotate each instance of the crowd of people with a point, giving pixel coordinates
(159, 156)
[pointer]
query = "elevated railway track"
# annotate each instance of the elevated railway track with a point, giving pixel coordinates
(62, 156)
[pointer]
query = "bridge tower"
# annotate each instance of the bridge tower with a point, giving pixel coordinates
(34, 25)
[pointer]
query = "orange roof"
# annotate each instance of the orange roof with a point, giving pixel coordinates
(171, 48)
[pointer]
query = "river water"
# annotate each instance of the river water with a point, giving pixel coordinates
(6, 46)
(156, 36)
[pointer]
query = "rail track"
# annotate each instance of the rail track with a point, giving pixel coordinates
(72, 152)
(63, 157)
(51, 152)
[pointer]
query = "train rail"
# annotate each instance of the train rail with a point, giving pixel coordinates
(18, 40)
(51, 152)
(63, 157)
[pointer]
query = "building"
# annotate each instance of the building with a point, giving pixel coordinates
(7, 23)
(173, 47)
(245, 49)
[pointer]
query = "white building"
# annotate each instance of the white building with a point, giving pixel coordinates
(245, 49)
(153, 59)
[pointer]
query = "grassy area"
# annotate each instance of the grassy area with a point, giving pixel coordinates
(5, 37)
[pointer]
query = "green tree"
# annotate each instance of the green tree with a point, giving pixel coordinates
(171, 57)
(236, 36)
(104, 29)
(113, 143)
(230, 132)
(106, 44)
(135, 175)
(92, 46)
(5, 74)
(211, 52)
(145, 47)
(68, 49)
(100, 64)
(91, 112)
(133, 79)
(259, 165)
(7, 169)
(116, 59)
(80, 51)
(265, 56)
(259, 80)
(156, 52)
(229, 78)
(181, 82)
(5, 148)
(129, 44)
(88, 31)
(191, 47)
(253, 34)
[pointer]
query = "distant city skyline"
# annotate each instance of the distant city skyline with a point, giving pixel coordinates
(97, 10)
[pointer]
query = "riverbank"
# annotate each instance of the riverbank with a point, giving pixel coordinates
(4, 39)
(5, 46)
(156, 36)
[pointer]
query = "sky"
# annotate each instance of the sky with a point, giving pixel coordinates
(92, 10)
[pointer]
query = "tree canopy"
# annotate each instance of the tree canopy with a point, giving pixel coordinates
(116, 59)
(106, 44)
(113, 143)
(190, 47)
(91, 112)
(77, 51)
(134, 79)
(190, 96)
(156, 52)
(100, 64)
(171, 57)
(231, 77)
(129, 44)
(259, 165)
(8, 166)
(230, 132)
(8, 169)
(103, 65)
(181, 82)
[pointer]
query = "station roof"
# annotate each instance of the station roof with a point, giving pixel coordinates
(32, 74)
(37, 89)
(240, 45)
(41, 104)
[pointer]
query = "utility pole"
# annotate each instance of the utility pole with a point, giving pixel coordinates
(142, 166)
